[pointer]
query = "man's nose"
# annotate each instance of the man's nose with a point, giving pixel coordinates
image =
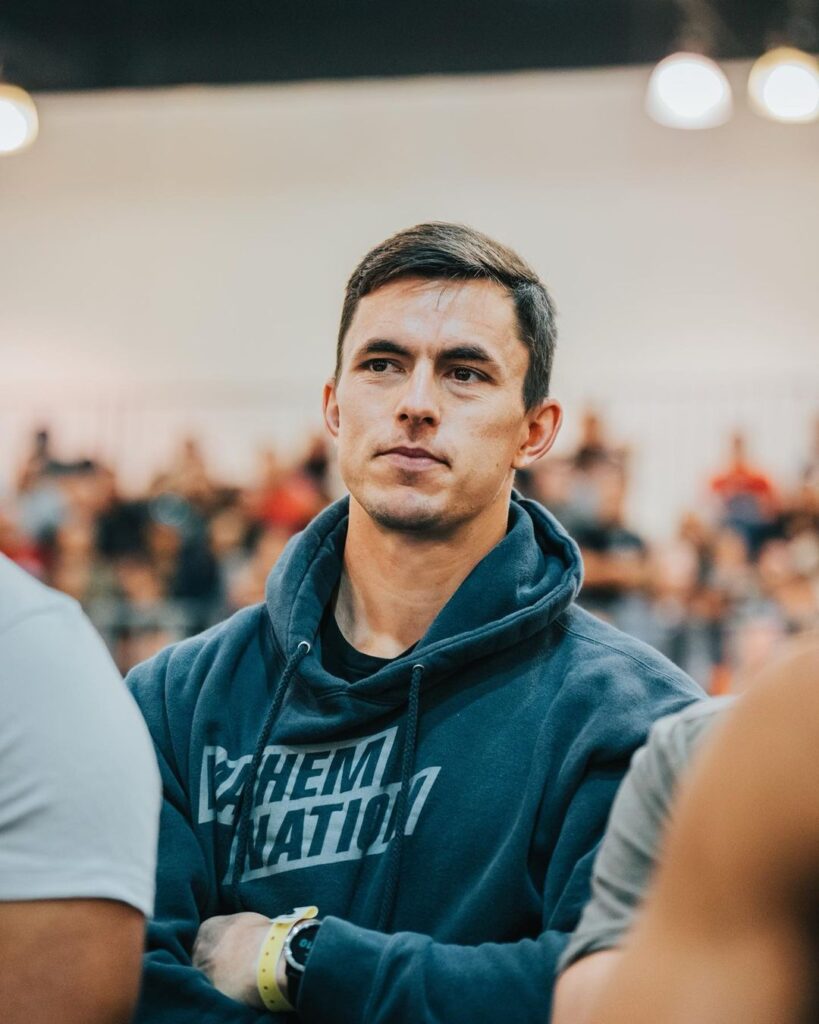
(419, 399)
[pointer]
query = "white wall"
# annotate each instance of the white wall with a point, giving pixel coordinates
(175, 260)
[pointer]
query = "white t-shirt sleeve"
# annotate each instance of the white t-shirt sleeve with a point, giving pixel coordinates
(79, 785)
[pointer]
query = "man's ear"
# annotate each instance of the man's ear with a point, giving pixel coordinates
(329, 405)
(540, 430)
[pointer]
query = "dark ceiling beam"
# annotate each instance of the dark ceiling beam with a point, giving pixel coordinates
(91, 44)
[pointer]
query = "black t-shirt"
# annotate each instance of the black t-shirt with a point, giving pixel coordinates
(606, 540)
(340, 658)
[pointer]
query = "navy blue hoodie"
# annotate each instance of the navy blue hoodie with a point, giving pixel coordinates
(442, 813)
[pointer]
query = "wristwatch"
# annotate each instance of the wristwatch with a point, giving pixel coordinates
(297, 948)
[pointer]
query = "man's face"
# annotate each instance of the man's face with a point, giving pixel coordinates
(428, 407)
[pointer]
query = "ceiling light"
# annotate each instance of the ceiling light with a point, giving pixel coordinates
(687, 90)
(784, 85)
(18, 119)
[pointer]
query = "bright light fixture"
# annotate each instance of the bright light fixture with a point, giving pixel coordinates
(687, 90)
(784, 85)
(18, 119)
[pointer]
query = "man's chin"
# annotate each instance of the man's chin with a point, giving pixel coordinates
(412, 517)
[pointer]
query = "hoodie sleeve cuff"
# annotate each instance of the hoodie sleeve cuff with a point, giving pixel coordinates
(342, 972)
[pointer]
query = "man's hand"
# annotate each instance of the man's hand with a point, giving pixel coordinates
(227, 951)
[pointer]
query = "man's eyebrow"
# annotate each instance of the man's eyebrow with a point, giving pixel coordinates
(469, 353)
(378, 345)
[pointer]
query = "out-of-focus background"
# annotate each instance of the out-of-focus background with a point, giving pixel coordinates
(176, 240)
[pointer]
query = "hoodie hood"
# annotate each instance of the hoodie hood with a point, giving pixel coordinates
(519, 588)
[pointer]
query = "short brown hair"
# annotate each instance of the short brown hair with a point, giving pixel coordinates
(459, 253)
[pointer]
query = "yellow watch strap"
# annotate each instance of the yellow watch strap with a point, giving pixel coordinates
(272, 996)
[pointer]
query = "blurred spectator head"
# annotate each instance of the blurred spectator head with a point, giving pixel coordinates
(74, 539)
(164, 540)
(694, 529)
(37, 460)
(187, 476)
(271, 470)
(85, 488)
(775, 565)
(248, 585)
(591, 429)
(675, 570)
(754, 641)
(804, 552)
(611, 493)
(739, 449)
(552, 480)
(316, 463)
(42, 441)
(228, 530)
(593, 448)
(171, 512)
(138, 581)
(730, 550)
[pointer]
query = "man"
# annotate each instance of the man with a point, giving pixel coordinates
(417, 737)
(79, 810)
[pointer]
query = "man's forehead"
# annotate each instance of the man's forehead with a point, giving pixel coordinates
(442, 310)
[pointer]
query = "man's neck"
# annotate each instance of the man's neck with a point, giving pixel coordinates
(393, 584)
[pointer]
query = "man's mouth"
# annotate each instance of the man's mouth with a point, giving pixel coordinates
(413, 458)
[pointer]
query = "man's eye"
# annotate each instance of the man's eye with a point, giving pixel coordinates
(377, 365)
(465, 375)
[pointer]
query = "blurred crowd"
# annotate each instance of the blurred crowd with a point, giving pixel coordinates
(741, 573)
(157, 567)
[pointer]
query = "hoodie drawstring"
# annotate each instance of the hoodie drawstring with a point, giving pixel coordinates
(245, 808)
(402, 801)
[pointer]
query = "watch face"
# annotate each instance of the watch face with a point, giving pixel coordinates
(300, 944)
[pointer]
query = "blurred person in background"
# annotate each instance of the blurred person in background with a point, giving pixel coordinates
(177, 545)
(37, 461)
(248, 583)
(286, 497)
(576, 488)
(615, 558)
(141, 620)
(747, 499)
(77, 568)
(337, 746)
(79, 808)
(230, 537)
(316, 466)
(550, 482)
(187, 477)
(40, 501)
(789, 581)
(17, 545)
(677, 571)
(120, 523)
(594, 448)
